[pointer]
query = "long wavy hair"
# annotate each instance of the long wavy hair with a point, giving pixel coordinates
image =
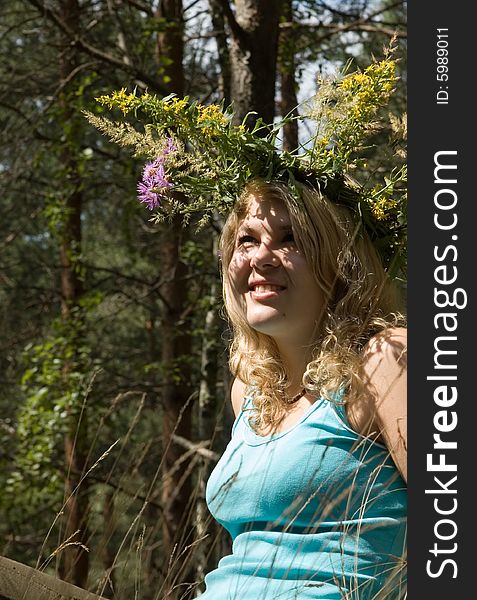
(361, 300)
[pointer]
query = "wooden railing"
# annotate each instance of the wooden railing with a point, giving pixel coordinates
(20, 582)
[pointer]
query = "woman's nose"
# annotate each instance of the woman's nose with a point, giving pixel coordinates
(263, 257)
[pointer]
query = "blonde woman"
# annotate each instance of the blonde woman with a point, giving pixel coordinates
(312, 484)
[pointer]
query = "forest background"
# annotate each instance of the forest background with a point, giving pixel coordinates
(114, 385)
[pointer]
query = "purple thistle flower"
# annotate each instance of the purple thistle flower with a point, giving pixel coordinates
(154, 181)
(170, 147)
(147, 196)
(152, 170)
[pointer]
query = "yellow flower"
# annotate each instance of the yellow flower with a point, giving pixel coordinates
(380, 208)
(369, 89)
(174, 105)
(124, 101)
(213, 113)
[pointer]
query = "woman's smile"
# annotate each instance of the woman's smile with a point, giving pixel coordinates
(264, 290)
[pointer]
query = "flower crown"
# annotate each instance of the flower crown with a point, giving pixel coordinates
(200, 160)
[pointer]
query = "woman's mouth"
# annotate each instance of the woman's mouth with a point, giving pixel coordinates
(265, 291)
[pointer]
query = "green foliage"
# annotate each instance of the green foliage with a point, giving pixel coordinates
(54, 386)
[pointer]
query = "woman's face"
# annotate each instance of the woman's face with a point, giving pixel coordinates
(271, 276)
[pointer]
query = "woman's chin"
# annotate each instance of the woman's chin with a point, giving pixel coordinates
(269, 322)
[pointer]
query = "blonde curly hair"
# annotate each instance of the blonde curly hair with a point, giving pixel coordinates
(361, 300)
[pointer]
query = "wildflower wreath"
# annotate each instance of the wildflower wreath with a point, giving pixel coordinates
(199, 160)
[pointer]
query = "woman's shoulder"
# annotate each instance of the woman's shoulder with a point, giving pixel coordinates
(384, 361)
(237, 394)
(384, 377)
(385, 349)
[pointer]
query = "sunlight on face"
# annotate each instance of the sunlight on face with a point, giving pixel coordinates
(270, 276)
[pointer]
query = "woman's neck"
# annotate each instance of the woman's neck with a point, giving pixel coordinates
(295, 360)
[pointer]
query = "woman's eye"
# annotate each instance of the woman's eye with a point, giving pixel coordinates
(246, 240)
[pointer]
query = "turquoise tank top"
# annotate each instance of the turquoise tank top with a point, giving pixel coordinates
(316, 511)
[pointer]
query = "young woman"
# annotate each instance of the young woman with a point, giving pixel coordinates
(312, 484)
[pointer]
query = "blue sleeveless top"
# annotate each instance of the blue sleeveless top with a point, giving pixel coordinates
(316, 511)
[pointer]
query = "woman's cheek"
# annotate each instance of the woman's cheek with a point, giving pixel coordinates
(239, 270)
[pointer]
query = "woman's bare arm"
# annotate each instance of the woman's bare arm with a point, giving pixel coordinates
(385, 380)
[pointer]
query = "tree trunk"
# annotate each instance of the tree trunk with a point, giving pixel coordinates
(75, 558)
(177, 410)
(253, 54)
(170, 45)
(218, 23)
(176, 345)
(288, 86)
(106, 550)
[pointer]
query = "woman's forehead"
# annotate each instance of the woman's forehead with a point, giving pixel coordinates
(266, 210)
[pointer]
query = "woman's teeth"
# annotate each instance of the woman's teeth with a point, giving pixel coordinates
(267, 288)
